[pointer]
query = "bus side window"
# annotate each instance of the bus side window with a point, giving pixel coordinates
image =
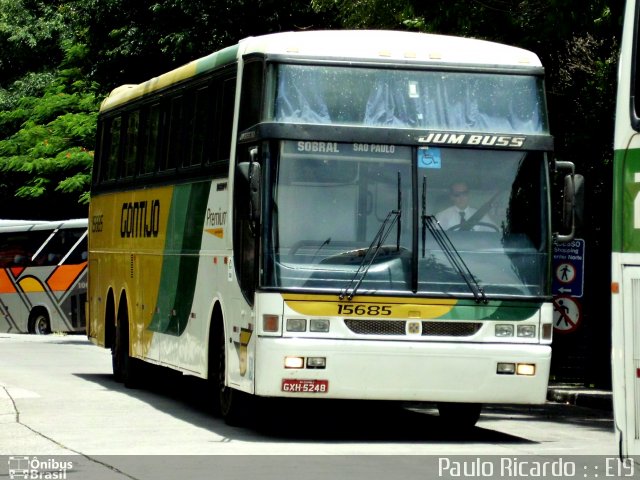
(251, 98)
(150, 139)
(225, 121)
(174, 125)
(113, 153)
(79, 253)
(187, 130)
(131, 145)
(100, 163)
(201, 128)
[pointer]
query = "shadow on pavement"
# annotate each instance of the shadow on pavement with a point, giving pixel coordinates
(338, 420)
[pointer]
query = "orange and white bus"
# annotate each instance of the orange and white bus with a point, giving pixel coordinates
(43, 276)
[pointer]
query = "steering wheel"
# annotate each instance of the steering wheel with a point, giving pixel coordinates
(470, 225)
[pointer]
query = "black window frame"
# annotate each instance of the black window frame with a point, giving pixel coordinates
(219, 92)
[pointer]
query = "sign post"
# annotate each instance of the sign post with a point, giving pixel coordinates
(568, 268)
(568, 284)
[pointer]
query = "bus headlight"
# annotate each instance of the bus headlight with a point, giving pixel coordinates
(526, 369)
(296, 324)
(504, 330)
(527, 331)
(319, 325)
(316, 362)
(506, 369)
(293, 362)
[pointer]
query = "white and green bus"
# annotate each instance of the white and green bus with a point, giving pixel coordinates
(266, 218)
(625, 260)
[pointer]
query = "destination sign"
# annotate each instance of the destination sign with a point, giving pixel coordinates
(338, 149)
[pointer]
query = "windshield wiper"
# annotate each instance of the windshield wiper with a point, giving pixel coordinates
(449, 249)
(372, 251)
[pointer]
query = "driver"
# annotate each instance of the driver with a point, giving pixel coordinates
(455, 216)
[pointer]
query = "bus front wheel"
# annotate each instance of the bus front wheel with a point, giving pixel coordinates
(460, 415)
(39, 323)
(233, 404)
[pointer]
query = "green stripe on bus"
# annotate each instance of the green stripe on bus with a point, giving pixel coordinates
(626, 238)
(512, 311)
(217, 59)
(180, 264)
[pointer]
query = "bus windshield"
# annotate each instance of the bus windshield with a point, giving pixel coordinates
(441, 100)
(330, 201)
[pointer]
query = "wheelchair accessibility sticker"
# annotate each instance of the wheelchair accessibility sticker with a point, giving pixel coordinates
(429, 157)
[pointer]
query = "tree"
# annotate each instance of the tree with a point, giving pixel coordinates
(131, 41)
(30, 31)
(48, 124)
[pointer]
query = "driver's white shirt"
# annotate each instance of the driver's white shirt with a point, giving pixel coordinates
(450, 217)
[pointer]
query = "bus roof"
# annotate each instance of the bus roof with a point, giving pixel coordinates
(13, 223)
(29, 225)
(392, 45)
(363, 45)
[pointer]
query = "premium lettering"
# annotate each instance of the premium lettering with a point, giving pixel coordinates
(216, 219)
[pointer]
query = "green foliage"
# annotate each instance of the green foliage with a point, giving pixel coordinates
(61, 56)
(30, 32)
(360, 14)
(133, 40)
(48, 124)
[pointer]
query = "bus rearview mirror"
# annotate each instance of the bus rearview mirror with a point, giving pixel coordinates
(573, 204)
(251, 172)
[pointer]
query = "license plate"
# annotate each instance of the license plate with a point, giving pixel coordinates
(305, 386)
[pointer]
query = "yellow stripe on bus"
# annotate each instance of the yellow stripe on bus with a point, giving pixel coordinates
(31, 284)
(382, 307)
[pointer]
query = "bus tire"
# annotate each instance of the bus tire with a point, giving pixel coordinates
(125, 368)
(233, 404)
(118, 353)
(212, 392)
(462, 416)
(39, 322)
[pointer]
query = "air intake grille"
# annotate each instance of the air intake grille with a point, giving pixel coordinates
(376, 327)
(450, 329)
(398, 327)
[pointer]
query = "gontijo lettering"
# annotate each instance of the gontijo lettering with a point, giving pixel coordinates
(140, 219)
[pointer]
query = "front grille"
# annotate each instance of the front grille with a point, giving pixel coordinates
(376, 327)
(398, 327)
(450, 329)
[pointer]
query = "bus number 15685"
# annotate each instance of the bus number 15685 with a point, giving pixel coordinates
(368, 310)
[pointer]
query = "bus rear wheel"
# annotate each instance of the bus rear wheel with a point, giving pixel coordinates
(125, 368)
(39, 323)
(460, 415)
